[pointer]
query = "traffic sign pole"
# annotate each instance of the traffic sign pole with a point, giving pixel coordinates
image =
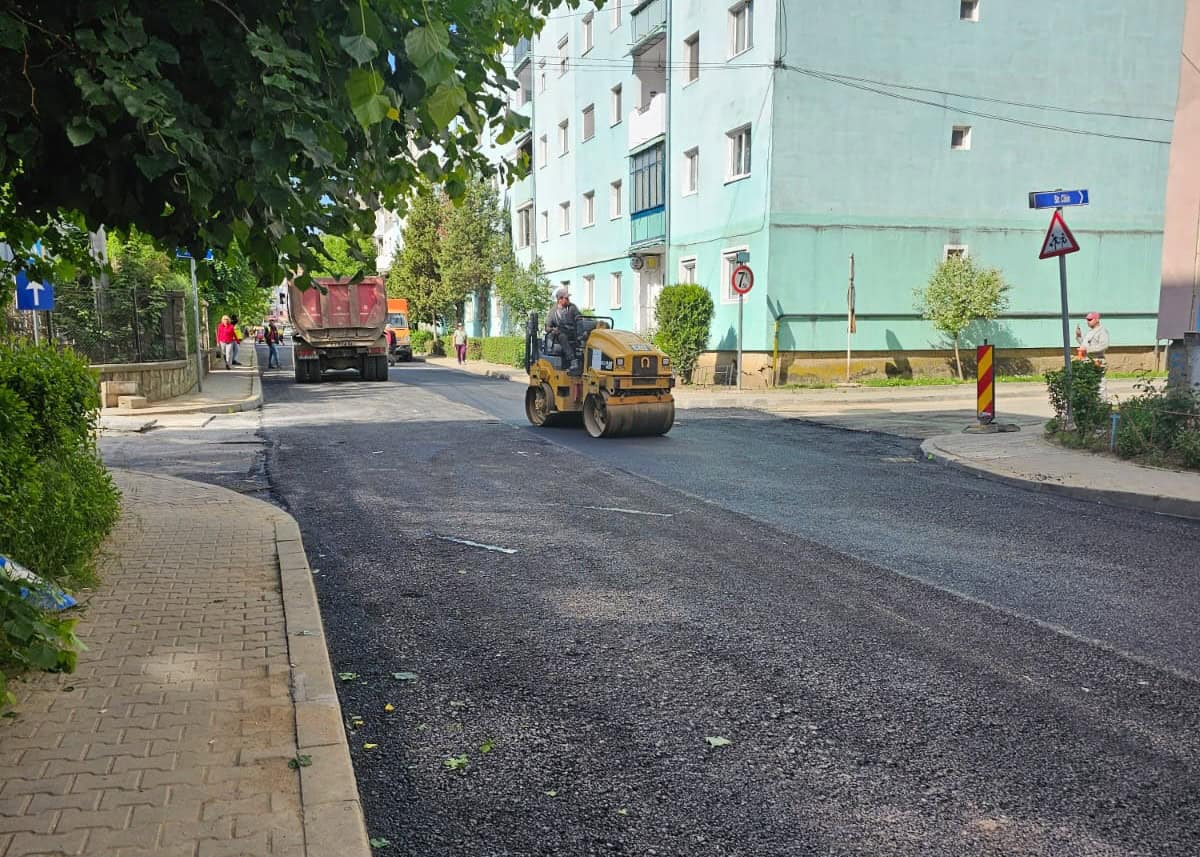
(1066, 325)
(741, 300)
(199, 344)
(741, 280)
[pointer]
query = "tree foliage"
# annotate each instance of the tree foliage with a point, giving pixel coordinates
(417, 271)
(684, 317)
(476, 242)
(958, 294)
(523, 289)
(346, 256)
(263, 123)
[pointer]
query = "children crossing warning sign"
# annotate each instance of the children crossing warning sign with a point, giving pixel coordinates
(1059, 240)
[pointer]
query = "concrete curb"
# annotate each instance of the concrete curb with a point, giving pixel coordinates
(333, 816)
(1177, 507)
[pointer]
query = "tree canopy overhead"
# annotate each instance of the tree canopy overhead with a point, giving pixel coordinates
(205, 122)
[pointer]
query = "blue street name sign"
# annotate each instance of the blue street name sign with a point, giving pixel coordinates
(1057, 198)
(32, 295)
(184, 254)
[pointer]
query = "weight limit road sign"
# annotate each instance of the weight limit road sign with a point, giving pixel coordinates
(742, 279)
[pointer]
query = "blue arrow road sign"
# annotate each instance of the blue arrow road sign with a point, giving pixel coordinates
(34, 295)
(1056, 198)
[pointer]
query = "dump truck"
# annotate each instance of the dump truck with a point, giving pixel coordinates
(339, 325)
(397, 320)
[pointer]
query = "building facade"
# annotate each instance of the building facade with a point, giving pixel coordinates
(671, 138)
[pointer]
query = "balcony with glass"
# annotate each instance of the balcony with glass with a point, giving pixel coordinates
(648, 25)
(521, 53)
(647, 198)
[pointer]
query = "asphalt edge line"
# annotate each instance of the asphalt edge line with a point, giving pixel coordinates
(1174, 507)
(334, 822)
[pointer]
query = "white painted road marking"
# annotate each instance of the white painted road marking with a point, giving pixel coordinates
(630, 511)
(472, 544)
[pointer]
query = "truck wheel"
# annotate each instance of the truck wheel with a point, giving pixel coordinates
(381, 367)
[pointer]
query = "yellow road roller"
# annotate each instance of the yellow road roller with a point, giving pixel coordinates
(620, 388)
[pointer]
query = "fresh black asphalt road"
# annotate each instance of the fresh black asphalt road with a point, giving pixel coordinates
(904, 659)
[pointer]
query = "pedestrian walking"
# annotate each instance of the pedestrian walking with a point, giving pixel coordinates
(460, 343)
(1093, 345)
(237, 340)
(273, 340)
(226, 340)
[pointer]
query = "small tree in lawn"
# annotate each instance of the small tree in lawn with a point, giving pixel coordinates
(684, 316)
(522, 290)
(959, 293)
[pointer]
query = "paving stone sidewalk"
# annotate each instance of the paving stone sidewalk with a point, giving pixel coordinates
(173, 736)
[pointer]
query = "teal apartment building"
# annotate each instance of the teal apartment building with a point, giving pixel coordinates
(669, 138)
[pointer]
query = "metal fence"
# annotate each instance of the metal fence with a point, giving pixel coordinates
(107, 324)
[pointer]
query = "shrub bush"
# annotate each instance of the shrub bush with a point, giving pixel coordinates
(506, 350)
(420, 341)
(57, 501)
(684, 315)
(1090, 412)
(1161, 425)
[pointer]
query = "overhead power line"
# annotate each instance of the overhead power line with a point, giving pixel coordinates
(1012, 120)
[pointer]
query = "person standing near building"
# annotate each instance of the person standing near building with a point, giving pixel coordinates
(226, 340)
(237, 340)
(1093, 345)
(273, 340)
(460, 343)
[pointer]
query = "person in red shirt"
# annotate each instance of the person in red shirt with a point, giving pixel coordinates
(226, 339)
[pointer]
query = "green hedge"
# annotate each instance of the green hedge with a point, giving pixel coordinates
(420, 341)
(57, 501)
(506, 350)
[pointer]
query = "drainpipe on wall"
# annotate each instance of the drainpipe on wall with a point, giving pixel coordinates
(667, 161)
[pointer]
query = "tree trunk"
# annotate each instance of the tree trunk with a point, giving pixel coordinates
(957, 359)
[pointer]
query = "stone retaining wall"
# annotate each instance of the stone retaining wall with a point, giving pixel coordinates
(155, 381)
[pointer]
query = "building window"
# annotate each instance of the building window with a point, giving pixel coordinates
(687, 270)
(645, 175)
(968, 10)
(589, 208)
(564, 213)
(615, 12)
(562, 56)
(543, 151)
(728, 263)
(691, 171)
(954, 250)
(616, 104)
(614, 200)
(614, 290)
(741, 28)
(564, 137)
(739, 153)
(525, 226)
(691, 50)
(544, 225)
(587, 32)
(589, 122)
(960, 137)
(589, 291)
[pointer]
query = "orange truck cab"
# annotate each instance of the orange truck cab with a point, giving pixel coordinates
(397, 323)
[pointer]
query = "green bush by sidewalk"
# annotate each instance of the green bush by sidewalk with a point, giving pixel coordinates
(57, 501)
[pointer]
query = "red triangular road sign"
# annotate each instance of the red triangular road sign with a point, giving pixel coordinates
(1059, 240)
